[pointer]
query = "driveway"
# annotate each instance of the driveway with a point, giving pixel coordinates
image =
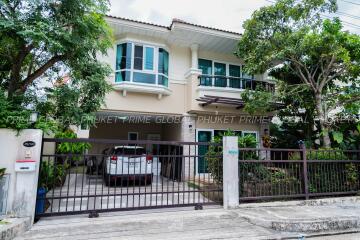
(313, 219)
(87, 192)
(150, 225)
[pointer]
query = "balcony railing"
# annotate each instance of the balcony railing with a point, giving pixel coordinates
(235, 83)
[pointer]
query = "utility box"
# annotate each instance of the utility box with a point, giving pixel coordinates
(25, 165)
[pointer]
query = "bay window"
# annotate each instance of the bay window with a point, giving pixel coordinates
(140, 63)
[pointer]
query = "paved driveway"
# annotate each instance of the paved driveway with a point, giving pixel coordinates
(206, 224)
(86, 192)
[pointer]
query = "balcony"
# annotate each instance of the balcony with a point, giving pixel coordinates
(232, 84)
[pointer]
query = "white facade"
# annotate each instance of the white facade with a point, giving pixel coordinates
(142, 92)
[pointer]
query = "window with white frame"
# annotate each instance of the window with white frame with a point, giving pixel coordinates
(222, 74)
(141, 63)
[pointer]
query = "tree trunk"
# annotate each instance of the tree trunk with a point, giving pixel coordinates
(322, 118)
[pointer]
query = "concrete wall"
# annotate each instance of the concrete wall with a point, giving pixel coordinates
(23, 185)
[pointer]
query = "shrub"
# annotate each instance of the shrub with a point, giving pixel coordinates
(327, 176)
(215, 152)
(52, 175)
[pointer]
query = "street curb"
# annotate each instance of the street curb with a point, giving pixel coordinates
(312, 202)
(14, 227)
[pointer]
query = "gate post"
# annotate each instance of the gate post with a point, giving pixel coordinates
(230, 172)
(21, 158)
(305, 171)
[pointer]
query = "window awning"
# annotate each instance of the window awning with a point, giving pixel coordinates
(236, 102)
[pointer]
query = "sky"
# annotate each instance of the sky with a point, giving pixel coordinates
(223, 14)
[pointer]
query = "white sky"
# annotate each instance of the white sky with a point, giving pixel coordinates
(223, 14)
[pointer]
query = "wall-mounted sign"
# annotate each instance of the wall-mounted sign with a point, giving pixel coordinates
(29, 144)
(233, 152)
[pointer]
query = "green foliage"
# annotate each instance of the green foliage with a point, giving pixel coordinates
(215, 152)
(292, 36)
(347, 136)
(321, 154)
(50, 40)
(52, 175)
(258, 101)
(338, 137)
(68, 147)
(12, 115)
(330, 177)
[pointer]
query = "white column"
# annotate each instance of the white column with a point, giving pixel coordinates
(194, 56)
(230, 172)
(188, 135)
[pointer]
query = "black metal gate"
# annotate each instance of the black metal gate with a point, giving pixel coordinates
(99, 175)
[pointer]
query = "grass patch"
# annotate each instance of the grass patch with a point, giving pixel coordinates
(3, 222)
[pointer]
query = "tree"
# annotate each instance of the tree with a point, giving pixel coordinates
(48, 39)
(292, 34)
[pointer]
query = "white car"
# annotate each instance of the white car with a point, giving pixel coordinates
(128, 163)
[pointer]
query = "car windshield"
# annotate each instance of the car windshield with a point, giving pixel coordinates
(129, 151)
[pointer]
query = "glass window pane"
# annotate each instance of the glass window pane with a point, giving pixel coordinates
(163, 80)
(123, 56)
(149, 58)
(205, 81)
(163, 61)
(220, 70)
(234, 71)
(122, 76)
(144, 78)
(205, 66)
(203, 136)
(138, 58)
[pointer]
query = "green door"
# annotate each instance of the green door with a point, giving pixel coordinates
(203, 136)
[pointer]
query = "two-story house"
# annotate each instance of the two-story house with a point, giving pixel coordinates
(175, 83)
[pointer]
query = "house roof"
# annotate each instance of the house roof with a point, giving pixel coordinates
(179, 33)
(174, 20)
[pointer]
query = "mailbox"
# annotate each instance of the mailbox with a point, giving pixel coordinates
(25, 165)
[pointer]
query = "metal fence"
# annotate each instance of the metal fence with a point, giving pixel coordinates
(122, 175)
(297, 173)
